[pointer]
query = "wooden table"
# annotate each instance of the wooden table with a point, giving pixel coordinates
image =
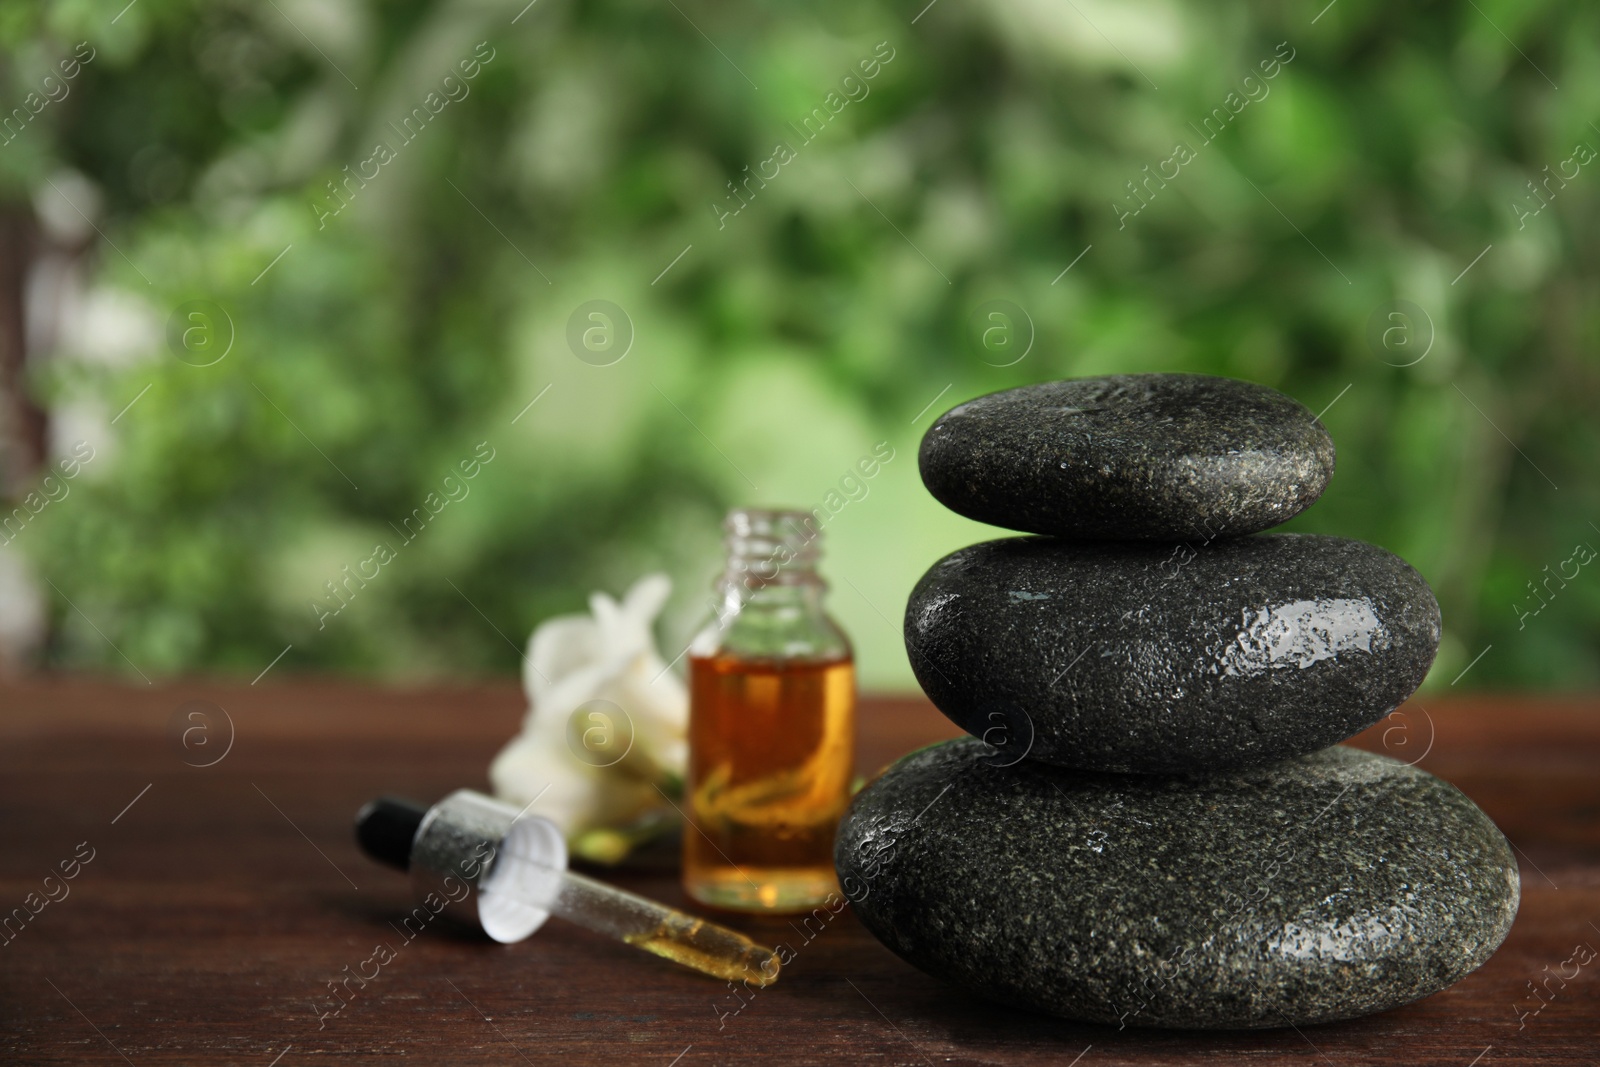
(221, 900)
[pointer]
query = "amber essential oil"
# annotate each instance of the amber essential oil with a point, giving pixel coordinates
(771, 746)
(771, 727)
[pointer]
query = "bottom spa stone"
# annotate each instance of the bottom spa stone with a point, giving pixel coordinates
(1324, 887)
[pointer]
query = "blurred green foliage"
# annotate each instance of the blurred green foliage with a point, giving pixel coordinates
(773, 348)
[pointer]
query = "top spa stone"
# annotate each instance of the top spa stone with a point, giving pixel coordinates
(1162, 457)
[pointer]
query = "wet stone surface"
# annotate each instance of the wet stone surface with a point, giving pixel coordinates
(1160, 658)
(1128, 457)
(1320, 888)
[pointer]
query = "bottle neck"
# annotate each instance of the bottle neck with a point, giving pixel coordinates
(743, 586)
(770, 620)
(771, 564)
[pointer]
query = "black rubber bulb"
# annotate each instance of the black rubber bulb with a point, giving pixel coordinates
(386, 827)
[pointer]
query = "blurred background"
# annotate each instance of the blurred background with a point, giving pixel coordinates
(274, 276)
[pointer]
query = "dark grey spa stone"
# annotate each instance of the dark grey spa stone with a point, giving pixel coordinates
(1163, 457)
(1160, 658)
(1324, 887)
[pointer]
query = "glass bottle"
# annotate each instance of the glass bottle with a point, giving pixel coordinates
(771, 724)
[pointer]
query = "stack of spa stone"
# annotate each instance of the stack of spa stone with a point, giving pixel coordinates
(1148, 826)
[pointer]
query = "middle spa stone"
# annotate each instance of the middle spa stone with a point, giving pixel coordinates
(1165, 659)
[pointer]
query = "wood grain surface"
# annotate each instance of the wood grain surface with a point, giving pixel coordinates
(221, 900)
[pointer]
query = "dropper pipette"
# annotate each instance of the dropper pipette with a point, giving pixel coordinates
(504, 872)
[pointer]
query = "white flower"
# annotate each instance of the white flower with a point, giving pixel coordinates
(605, 737)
